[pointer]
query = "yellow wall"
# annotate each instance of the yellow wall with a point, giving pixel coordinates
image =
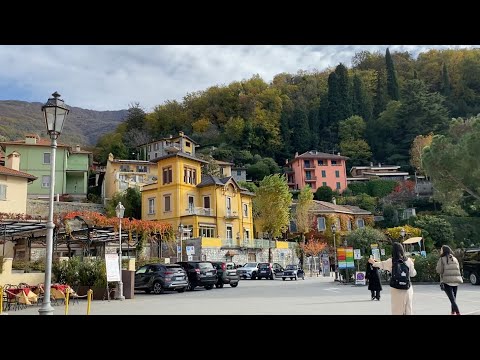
(179, 193)
(16, 194)
(7, 277)
(111, 182)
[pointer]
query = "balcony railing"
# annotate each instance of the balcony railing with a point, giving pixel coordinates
(255, 243)
(309, 167)
(199, 211)
(311, 178)
(231, 215)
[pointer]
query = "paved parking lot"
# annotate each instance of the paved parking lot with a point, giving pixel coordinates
(317, 296)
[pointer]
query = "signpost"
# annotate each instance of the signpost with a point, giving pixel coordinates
(113, 270)
(360, 278)
(190, 250)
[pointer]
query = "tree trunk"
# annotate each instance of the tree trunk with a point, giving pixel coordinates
(302, 260)
(270, 255)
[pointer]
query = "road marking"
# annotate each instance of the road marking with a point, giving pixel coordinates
(333, 289)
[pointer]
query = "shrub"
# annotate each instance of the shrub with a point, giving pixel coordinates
(324, 193)
(380, 188)
(143, 261)
(425, 267)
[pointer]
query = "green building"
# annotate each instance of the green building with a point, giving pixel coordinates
(71, 168)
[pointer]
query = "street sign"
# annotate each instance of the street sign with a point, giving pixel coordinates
(190, 257)
(179, 249)
(360, 278)
(382, 252)
(376, 254)
(190, 250)
(113, 267)
(356, 254)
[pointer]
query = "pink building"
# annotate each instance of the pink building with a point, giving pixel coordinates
(317, 169)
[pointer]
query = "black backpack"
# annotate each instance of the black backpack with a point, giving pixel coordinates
(400, 275)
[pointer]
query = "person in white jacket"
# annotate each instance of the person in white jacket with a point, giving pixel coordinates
(401, 300)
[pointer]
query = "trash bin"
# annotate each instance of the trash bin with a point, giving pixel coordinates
(128, 278)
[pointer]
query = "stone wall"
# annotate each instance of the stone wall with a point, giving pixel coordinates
(40, 207)
(281, 256)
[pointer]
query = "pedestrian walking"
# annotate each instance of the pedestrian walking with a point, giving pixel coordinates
(401, 268)
(450, 276)
(374, 283)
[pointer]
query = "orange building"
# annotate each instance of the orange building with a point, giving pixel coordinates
(317, 169)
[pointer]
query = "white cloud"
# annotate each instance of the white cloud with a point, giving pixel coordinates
(106, 77)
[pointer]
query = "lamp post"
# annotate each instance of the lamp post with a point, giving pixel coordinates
(345, 243)
(402, 232)
(120, 211)
(334, 230)
(180, 235)
(55, 112)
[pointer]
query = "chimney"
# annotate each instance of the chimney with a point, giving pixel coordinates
(334, 201)
(31, 138)
(286, 161)
(296, 154)
(170, 136)
(77, 147)
(110, 157)
(379, 164)
(338, 154)
(13, 161)
(180, 133)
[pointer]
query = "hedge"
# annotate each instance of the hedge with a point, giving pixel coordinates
(466, 230)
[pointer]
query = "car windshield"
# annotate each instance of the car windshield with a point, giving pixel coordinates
(250, 265)
(263, 266)
(205, 265)
(230, 266)
(291, 267)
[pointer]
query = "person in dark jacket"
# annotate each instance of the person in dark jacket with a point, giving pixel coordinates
(374, 284)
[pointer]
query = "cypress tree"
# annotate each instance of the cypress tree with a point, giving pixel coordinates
(301, 133)
(339, 101)
(415, 75)
(360, 104)
(380, 101)
(392, 83)
(445, 81)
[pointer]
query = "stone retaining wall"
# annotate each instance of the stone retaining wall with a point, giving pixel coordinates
(40, 207)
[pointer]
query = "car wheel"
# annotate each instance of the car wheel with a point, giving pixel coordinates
(148, 291)
(272, 277)
(157, 288)
(180, 290)
(296, 278)
(254, 276)
(208, 287)
(291, 278)
(283, 278)
(474, 280)
(234, 284)
(220, 285)
(190, 287)
(303, 277)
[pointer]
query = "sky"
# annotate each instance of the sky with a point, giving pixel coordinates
(112, 77)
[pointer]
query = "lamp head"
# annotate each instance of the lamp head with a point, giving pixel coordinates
(334, 228)
(55, 112)
(120, 210)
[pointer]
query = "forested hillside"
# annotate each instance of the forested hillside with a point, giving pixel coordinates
(82, 127)
(369, 112)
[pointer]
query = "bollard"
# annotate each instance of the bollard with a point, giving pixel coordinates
(67, 298)
(1, 299)
(89, 300)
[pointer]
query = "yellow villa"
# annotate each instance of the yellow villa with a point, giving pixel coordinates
(214, 213)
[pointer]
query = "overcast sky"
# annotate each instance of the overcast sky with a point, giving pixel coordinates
(107, 77)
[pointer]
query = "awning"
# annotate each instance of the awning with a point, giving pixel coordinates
(413, 240)
(231, 253)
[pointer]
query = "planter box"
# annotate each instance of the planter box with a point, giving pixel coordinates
(99, 293)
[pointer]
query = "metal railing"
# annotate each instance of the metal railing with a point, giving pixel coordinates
(200, 211)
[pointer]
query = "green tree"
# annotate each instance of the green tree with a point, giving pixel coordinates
(446, 87)
(381, 99)
(436, 229)
(392, 83)
(324, 193)
(362, 238)
(453, 164)
(360, 104)
(301, 136)
(131, 199)
(352, 140)
(272, 201)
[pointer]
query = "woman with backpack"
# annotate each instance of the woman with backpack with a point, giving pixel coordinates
(450, 276)
(401, 269)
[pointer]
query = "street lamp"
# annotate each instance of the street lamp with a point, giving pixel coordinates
(402, 232)
(334, 230)
(180, 231)
(120, 210)
(55, 112)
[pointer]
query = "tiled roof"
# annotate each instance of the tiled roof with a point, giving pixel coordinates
(40, 142)
(180, 154)
(210, 180)
(313, 154)
(220, 162)
(80, 152)
(324, 206)
(10, 172)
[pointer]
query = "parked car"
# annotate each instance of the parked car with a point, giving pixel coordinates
(226, 274)
(269, 271)
(199, 273)
(471, 265)
(293, 272)
(157, 278)
(248, 271)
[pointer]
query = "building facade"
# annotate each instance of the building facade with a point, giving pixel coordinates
(383, 172)
(123, 174)
(71, 167)
(317, 169)
(159, 148)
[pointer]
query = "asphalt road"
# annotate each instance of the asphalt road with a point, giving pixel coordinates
(317, 296)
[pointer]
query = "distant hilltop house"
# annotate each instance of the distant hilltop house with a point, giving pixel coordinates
(71, 168)
(383, 172)
(317, 169)
(227, 169)
(159, 148)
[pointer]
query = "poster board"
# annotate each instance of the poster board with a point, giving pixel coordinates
(349, 257)
(357, 254)
(113, 267)
(360, 278)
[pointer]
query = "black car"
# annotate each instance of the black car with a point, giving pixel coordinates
(157, 278)
(471, 265)
(269, 271)
(293, 272)
(226, 274)
(199, 273)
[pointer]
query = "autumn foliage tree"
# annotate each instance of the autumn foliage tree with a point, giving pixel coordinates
(419, 143)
